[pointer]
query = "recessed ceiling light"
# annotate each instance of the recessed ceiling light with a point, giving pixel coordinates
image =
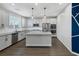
(13, 4)
(60, 3)
(36, 4)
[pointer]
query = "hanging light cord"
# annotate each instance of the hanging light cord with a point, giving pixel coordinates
(44, 11)
(32, 11)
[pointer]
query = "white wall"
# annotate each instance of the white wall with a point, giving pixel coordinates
(3, 17)
(64, 27)
(23, 21)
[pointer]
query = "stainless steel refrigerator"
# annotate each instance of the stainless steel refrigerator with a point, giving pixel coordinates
(46, 27)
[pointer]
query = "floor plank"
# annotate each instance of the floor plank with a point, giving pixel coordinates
(19, 49)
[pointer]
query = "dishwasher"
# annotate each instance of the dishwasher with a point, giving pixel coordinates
(14, 38)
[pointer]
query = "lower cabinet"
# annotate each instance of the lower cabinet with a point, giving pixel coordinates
(8, 40)
(5, 41)
(2, 42)
(21, 35)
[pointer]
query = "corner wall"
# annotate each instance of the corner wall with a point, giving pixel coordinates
(64, 27)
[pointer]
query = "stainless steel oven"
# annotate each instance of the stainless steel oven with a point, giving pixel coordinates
(14, 38)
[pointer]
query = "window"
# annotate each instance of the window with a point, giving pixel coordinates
(14, 21)
(11, 21)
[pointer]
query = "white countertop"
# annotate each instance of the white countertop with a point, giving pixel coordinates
(6, 31)
(34, 28)
(21, 29)
(38, 33)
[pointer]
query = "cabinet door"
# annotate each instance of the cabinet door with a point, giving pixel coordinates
(5, 41)
(23, 34)
(19, 36)
(2, 42)
(8, 40)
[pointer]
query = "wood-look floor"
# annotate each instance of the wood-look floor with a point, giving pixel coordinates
(19, 49)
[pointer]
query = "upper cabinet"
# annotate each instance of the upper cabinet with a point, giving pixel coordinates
(51, 20)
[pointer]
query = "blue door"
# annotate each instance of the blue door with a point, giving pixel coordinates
(75, 27)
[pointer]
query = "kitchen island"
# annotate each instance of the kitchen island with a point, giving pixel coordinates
(38, 38)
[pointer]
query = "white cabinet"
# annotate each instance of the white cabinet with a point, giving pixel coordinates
(2, 42)
(21, 35)
(51, 20)
(8, 40)
(38, 39)
(5, 41)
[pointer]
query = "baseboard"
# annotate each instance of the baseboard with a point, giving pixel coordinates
(74, 53)
(69, 49)
(39, 45)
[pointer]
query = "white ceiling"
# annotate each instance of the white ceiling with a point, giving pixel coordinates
(25, 9)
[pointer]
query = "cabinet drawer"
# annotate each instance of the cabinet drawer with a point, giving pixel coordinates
(8, 40)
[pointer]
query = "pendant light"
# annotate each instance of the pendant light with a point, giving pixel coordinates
(44, 13)
(13, 4)
(32, 13)
(44, 17)
(36, 4)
